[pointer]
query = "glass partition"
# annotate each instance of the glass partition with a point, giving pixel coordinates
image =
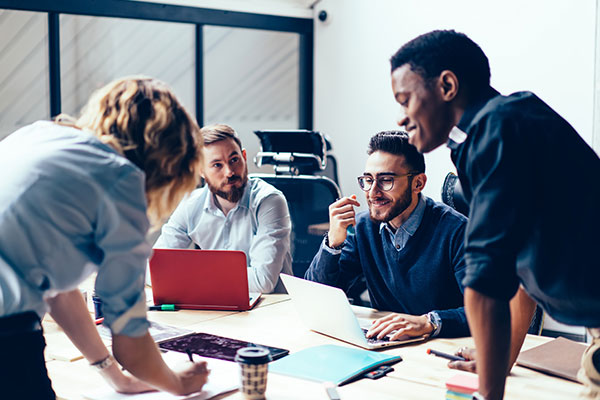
(94, 51)
(251, 82)
(24, 93)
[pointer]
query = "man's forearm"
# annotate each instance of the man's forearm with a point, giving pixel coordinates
(489, 321)
(522, 308)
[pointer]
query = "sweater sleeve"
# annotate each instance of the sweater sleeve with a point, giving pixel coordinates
(454, 323)
(334, 267)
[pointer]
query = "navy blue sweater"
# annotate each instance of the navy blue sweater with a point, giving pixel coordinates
(424, 276)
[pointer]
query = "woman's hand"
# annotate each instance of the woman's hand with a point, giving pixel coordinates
(124, 383)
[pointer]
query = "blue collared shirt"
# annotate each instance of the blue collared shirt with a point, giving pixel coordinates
(69, 206)
(259, 225)
(398, 239)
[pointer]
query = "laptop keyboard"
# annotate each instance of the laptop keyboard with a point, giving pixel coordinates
(374, 340)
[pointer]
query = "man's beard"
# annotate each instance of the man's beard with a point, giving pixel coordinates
(235, 193)
(396, 208)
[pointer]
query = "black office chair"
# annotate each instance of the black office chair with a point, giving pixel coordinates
(331, 169)
(296, 156)
(308, 200)
(452, 195)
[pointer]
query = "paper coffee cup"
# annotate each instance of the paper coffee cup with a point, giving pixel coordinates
(254, 365)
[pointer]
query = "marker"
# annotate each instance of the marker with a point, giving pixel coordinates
(447, 356)
(163, 307)
(99, 321)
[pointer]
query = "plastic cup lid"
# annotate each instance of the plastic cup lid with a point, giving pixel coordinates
(253, 355)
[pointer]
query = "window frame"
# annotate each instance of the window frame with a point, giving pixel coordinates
(179, 14)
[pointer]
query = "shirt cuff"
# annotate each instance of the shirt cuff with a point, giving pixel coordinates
(329, 249)
(437, 321)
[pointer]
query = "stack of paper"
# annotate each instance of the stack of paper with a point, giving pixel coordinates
(461, 387)
(223, 378)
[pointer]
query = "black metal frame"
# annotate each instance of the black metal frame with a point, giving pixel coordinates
(180, 14)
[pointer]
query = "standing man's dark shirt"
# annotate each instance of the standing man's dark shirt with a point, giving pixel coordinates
(534, 190)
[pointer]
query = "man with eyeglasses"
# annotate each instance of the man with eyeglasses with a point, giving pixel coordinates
(408, 247)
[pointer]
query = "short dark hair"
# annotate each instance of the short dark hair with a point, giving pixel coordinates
(396, 142)
(431, 53)
(215, 133)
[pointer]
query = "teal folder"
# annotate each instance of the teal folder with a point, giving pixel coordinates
(331, 363)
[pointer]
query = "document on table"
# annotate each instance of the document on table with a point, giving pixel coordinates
(223, 378)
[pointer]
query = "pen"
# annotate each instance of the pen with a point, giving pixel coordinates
(189, 353)
(164, 307)
(447, 356)
(99, 321)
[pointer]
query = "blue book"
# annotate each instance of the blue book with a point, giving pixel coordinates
(331, 363)
(451, 395)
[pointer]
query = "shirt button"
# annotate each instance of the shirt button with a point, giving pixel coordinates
(398, 246)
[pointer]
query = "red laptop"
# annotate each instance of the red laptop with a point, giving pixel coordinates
(201, 279)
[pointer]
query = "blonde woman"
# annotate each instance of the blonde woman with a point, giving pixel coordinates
(77, 197)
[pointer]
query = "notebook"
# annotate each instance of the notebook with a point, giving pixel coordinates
(201, 279)
(461, 384)
(316, 303)
(213, 346)
(331, 363)
(559, 357)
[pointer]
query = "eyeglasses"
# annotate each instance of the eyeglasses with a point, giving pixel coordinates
(385, 183)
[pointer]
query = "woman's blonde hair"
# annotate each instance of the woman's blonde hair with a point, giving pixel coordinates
(142, 119)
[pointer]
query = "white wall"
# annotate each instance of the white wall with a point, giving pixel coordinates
(539, 45)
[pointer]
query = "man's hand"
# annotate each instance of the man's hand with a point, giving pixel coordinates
(400, 325)
(341, 216)
(470, 355)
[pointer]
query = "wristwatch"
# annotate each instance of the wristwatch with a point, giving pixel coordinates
(104, 363)
(433, 320)
(331, 247)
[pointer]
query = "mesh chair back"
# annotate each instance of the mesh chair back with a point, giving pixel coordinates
(308, 200)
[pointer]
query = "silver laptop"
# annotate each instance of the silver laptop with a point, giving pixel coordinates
(326, 310)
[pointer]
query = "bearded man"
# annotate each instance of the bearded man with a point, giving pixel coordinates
(234, 212)
(408, 247)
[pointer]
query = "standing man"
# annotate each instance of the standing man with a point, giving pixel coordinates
(532, 184)
(232, 212)
(408, 247)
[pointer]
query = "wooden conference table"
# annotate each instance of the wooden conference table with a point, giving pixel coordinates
(274, 322)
